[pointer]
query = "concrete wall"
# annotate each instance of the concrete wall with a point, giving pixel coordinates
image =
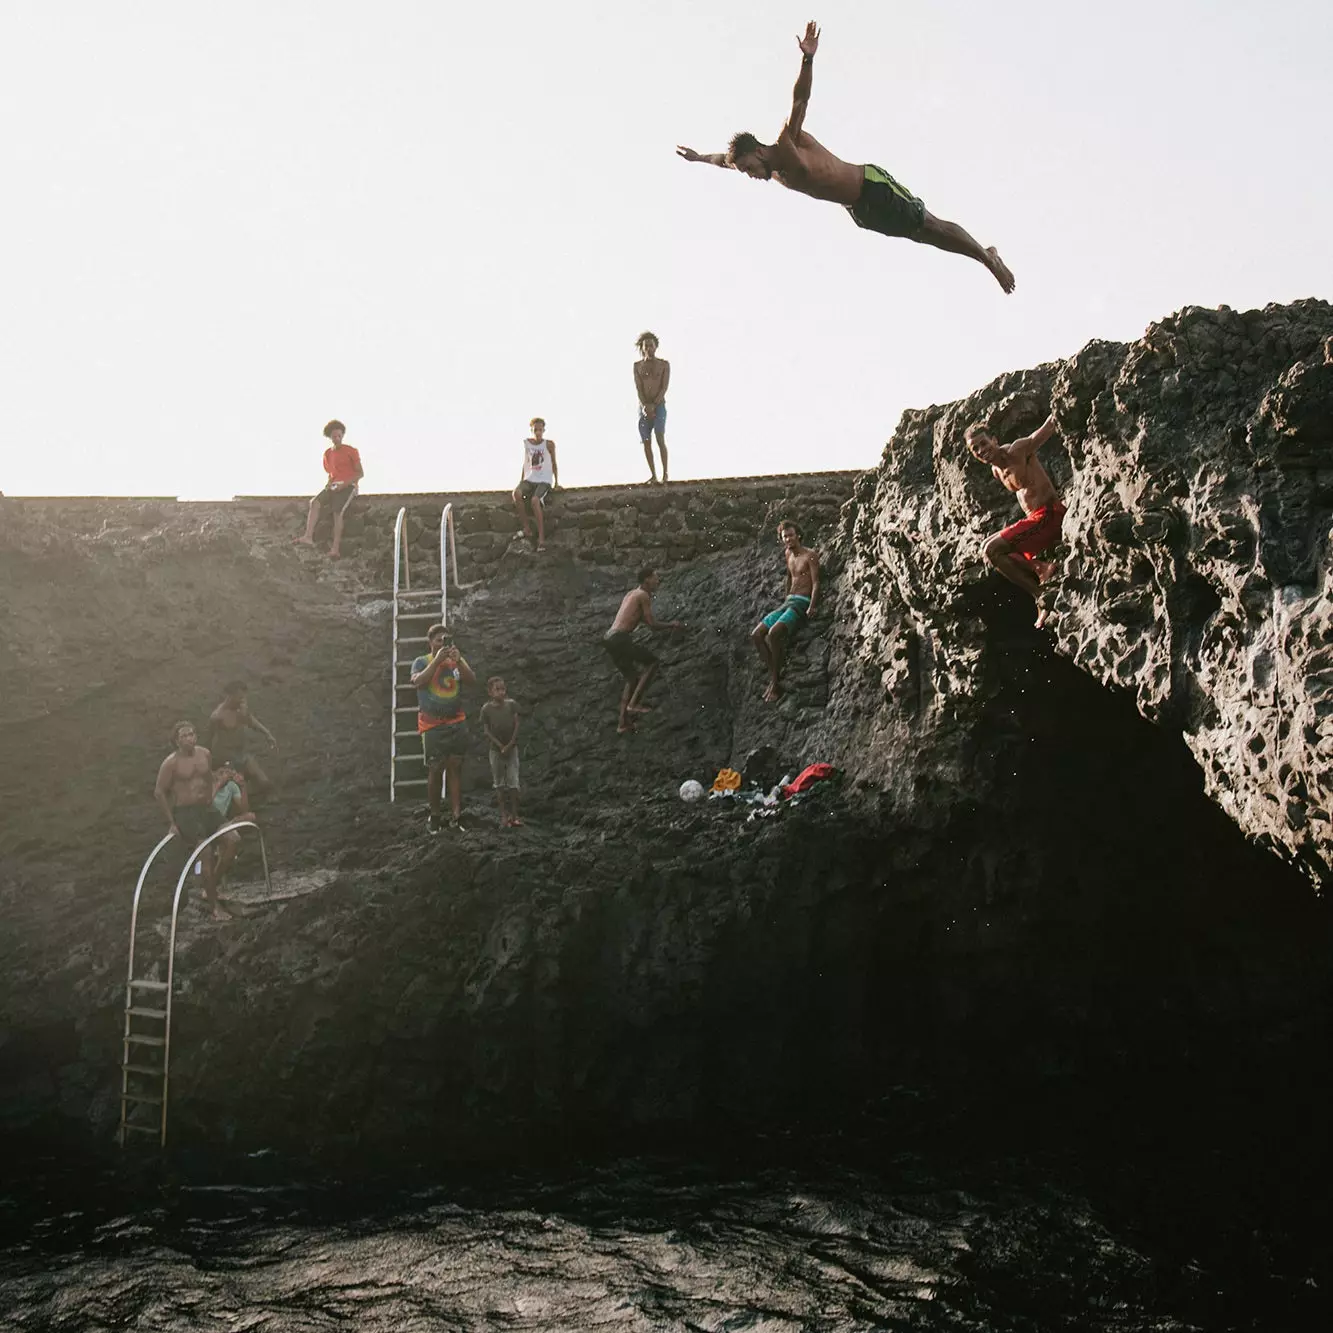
(613, 525)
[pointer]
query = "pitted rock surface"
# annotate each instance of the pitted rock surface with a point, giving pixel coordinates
(1197, 466)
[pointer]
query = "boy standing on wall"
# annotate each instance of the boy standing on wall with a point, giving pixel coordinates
(652, 375)
(499, 720)
(541, 474)
(438, 680)
(342, 463)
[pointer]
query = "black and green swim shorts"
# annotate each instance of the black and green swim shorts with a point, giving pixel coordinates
(885, 206)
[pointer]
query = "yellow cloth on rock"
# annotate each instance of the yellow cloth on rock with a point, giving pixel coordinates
(727, 780)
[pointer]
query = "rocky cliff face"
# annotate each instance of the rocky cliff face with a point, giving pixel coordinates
(1197, 465)
(1022, 883)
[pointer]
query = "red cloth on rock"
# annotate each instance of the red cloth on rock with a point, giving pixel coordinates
(808, 777)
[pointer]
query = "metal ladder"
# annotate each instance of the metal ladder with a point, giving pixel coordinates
(148, 998)
(408, 617)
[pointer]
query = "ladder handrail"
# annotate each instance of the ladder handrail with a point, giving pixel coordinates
(171, 945)
(399, 555)
(134, 910)
(447, 525)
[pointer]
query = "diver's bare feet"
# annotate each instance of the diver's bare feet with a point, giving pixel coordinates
(515, 822)
(303, 541)
(639, 708)
(1000, 269)
(773, 693)
(625, 728)
(220, 913)
(1043, 569)
(1043, 615)
(335, 555)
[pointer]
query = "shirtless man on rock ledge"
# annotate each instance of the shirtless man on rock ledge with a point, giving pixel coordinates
(184, 791)
(875, 200)
(1013, 551)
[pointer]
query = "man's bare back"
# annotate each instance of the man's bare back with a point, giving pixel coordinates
(803, 164)
(633, 607)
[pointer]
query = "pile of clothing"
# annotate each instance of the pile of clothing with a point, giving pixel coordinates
(767, 799)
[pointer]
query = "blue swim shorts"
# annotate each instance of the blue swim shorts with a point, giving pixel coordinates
(791, 613)
(656, 422)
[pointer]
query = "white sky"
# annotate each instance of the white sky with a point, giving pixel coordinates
(224, 224)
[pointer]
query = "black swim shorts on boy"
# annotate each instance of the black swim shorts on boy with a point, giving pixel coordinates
(886, 206)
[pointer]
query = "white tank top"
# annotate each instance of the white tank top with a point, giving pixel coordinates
(537, 462)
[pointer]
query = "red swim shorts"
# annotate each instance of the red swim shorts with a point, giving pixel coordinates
(1031, 535)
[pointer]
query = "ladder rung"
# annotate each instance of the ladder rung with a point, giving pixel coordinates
(154, 1070)
(408, 758)
(405, 735)
(142, 1129)
(416, 615)
(146, 1013)
(150, 985)
(138, 1039)
(410, 782)
(421, 639)
(411, 708)
(135, 1097)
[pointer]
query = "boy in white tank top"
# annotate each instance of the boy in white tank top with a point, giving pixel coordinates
(539, 477)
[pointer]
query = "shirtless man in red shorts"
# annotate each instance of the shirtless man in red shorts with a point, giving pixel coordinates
(1013, 551)
(874, 199)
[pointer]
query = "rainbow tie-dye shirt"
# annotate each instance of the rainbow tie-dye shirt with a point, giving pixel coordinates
(438, 702)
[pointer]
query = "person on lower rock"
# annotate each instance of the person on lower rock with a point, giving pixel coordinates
(773, 635)
(499, 720)
(184, 791)
(1014, 550)
(632, 658)
(225, 735)
(438, 680)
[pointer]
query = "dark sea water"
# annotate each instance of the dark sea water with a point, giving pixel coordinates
(777, 1235)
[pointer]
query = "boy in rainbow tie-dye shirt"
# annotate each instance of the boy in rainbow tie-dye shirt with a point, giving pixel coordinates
(438, 680)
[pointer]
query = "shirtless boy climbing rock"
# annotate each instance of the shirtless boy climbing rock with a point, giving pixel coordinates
(772, 636)
(1013, 551)
(632, 658)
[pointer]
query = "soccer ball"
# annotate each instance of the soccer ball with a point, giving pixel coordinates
(690, 790)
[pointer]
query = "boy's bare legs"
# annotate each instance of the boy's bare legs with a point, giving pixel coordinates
(336, 545)
(434, 790)
(661, 445)
(309, 538)
(522, 516)
(625, 724)
(453, 767)
(539, 515)
(759, 637)
(514, 820)
(257, 777)
(504, 809)
(777, 652)
(951, 237)
(652, 462)
(634, 706)
(1005, 560)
